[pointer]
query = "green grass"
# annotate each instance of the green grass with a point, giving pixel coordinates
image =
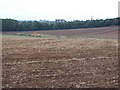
(24, 36)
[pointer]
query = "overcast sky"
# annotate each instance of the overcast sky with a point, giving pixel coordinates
(58, 9)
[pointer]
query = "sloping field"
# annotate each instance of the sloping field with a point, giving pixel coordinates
(54, 63)
(102, 32)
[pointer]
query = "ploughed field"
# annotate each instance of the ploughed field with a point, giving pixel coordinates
(101, 32)
(34, 62)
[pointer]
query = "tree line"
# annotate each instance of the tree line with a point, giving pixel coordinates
(15, 25)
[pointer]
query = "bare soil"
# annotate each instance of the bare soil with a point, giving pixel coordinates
(101, 32)
(55, 63)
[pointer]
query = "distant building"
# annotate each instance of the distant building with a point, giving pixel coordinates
(60, 20)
